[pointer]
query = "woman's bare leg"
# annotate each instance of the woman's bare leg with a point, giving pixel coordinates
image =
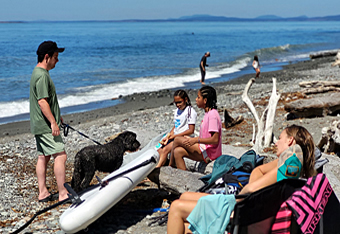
(192, 196)
(179, 211)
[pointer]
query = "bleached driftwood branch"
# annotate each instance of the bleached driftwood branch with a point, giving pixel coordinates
(264, 136)
(273, 100)
(247, 100)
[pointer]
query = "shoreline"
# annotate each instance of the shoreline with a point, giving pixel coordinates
(149, 100)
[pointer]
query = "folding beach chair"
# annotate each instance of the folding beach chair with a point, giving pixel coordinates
(318, 212)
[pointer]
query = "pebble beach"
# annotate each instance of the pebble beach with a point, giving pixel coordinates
(148, 114)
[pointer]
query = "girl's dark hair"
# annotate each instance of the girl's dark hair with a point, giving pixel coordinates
(305, 140)
(257, 59)
(182, 94)
(209, 93)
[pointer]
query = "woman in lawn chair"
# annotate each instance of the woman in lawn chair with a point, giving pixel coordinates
(210, 214)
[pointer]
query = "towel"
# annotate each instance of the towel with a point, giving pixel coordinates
(308, 204)
(211, 214)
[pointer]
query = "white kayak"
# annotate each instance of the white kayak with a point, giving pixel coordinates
(100, 199)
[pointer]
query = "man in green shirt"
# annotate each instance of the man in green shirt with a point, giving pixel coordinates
(45, 121)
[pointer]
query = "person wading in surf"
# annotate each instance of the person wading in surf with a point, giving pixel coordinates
(204, 64)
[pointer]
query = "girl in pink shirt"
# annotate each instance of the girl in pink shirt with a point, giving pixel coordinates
(207, 146)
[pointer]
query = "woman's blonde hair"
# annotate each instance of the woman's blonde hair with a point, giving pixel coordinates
(305, 140)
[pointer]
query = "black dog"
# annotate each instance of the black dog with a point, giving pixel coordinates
(105, 158)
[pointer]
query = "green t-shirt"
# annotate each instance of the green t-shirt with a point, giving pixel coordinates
(42, 86)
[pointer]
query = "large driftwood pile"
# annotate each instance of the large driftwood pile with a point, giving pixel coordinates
(330, 140)
(315, 107)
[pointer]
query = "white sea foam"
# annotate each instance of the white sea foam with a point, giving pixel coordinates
(84, 95)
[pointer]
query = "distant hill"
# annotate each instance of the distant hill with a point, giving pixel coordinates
(259, 18)
(268, 17)
(205, 18)
(211, 18)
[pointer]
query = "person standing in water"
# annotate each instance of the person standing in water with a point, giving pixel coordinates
(204, 64)
(256, 66)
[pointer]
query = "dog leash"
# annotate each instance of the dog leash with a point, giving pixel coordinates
(74, 197)
(67, 127)
(39, 213)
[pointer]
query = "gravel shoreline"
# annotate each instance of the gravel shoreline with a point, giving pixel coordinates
(148, 114)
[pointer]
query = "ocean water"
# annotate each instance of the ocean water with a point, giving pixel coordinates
(104, 60)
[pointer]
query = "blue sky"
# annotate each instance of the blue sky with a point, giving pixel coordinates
(160, 9)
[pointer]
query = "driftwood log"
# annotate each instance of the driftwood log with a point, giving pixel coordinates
(323, 54)
(230, 121)
(319, 83)
(315, 86)
(264, 136)
(320, 90)
(330, 139)
(315, 107)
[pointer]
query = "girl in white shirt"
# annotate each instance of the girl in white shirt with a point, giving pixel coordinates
(256, 66)
(184, 124)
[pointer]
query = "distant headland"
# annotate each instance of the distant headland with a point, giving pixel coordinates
(209, 18)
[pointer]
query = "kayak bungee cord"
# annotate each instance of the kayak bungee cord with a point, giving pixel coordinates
(74, 197)
(67, 127)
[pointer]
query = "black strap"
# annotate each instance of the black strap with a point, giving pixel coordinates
(39, 213)
(66, 128)
(103, 183)
(75, 197)
(160, 220)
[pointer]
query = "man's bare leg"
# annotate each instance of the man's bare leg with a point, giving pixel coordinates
(59, 172)
(41, 175)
